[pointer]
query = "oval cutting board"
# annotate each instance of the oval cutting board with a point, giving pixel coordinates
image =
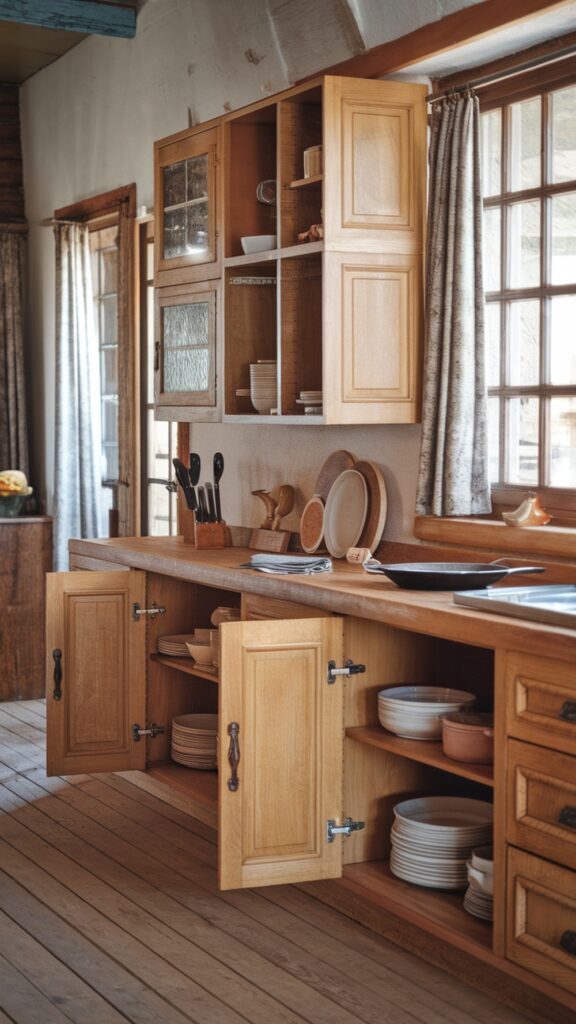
(335, 464)
(312, 525)
(377, 505)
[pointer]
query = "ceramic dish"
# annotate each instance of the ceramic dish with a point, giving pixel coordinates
(345, 512)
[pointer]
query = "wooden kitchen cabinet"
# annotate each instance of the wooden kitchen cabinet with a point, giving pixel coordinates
(186, 352)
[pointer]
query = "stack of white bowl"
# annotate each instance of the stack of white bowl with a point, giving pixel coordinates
(312, 402)
(416, 712)
(264, 385)
(433, 838)
(479, 896)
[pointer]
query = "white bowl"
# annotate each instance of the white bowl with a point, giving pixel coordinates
(257, 243)
(401, 712)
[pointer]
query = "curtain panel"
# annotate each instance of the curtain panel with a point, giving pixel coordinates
(453, 477)
(13, 422)
(77, 473)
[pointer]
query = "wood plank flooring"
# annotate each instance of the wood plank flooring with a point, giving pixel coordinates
(110, 912)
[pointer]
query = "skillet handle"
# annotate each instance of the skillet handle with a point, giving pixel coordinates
(524, 569)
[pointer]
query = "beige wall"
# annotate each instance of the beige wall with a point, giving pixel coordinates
(88, 124)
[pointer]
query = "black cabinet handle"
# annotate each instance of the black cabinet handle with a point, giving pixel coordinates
(567, 816)
(234, 756)
(57, 691)
(568, 942)
(568, 711)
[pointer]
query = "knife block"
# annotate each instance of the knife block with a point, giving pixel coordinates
(204, 535)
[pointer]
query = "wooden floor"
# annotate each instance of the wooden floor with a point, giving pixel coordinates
(109, 912)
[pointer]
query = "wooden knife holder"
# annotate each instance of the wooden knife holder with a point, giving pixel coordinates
(204, 535)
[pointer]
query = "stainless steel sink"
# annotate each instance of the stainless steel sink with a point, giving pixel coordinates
(555, 604)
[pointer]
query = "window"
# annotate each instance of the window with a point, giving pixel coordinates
(104, 249)
(159, 440)
(529, 174)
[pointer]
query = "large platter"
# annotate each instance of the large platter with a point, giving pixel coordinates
(345, 512)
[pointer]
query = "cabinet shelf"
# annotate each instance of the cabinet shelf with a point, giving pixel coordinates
(200, 787)
(187, 666)
(314, 179)
(286, 252)
(441, 913)
(425, 751)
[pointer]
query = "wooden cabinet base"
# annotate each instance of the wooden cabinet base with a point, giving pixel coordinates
(25, 557)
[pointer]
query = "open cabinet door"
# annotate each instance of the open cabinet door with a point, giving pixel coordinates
(281, 752)
(96, 687)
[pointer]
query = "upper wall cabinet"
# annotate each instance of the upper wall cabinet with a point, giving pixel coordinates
(186, 207)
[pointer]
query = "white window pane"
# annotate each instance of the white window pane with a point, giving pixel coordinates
(491, 142)
(492, 331)
(525, 144)
(564, 239)
(491, 243)
(522, 440)
(564, 134)
(524, 342)
(494, 439)
(525, 245)
(563, 339)
(563, 442)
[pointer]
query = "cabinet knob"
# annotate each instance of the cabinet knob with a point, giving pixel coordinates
(568, 711)
(568, 941)
(567, 816)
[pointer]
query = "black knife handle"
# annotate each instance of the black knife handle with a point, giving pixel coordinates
(203, 506)
(211, 506)
(217, 503)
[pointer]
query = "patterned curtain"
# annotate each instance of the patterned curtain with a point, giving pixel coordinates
(77, 475)
(13, 426)
(453, 477)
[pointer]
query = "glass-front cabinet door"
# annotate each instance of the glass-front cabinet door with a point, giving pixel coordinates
(185, 352)
(185, 213)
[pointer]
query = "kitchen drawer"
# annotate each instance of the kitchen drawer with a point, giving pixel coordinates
(255, 606)
(542, 802)
(541, 918)
(541, 701)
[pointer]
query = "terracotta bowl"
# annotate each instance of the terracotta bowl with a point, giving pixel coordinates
(468, 736)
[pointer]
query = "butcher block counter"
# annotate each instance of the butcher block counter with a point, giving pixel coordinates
(302, 750)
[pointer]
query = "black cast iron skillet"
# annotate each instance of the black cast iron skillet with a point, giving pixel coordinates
(446, 575)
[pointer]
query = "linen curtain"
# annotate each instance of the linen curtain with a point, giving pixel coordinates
(453, 477)
(13, 424)
(77, 475)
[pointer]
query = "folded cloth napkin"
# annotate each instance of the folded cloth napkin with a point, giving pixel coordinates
(285, 564)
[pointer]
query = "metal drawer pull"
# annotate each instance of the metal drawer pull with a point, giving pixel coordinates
(57, 691)
(234, 756)
(568, 711)
(568, 942)
(567, 816)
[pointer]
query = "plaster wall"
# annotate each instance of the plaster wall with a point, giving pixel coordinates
(88, 124)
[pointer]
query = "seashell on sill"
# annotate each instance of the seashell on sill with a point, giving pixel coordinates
(528, 513)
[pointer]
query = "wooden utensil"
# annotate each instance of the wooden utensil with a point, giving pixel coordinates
(335, 464)
(284, 505)
(377, 505)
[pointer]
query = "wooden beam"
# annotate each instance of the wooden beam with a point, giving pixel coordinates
(454, 30)
(91, 17)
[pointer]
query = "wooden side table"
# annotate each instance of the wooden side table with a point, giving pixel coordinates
(25, 558)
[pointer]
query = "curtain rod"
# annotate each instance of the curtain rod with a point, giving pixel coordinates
(497, 76)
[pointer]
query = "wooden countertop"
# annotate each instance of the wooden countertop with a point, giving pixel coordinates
(348, 591)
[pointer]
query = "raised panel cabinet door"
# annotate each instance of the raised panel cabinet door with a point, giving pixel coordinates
(186, 352)
(373, 338)
(281, 750)
(95, 671)
(375, 164)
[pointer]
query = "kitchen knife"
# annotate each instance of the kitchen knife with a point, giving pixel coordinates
(218, 471)
(202, 505)
(211, 506)
(184, 481)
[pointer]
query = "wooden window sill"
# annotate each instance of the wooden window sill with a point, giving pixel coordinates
(546, 541)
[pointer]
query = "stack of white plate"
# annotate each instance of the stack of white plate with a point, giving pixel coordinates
(479, 896)
(264, 385)
(175, 644)
(416, 712)
(312, 402)
(194, 740)
(433, 838)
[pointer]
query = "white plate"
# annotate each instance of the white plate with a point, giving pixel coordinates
(345, 513)
(439, 812)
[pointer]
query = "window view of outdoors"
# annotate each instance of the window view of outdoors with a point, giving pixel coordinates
(104, 250)
(529, 177)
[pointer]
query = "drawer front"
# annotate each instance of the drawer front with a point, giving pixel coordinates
(541, 701)
(255, 606)
(541, 814)
(541, 918)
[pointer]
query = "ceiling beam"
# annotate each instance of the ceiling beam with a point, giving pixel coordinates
(91, 17)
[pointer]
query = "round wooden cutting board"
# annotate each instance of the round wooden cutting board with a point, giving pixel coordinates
(335, 464)
(312, 525)
(377, 505)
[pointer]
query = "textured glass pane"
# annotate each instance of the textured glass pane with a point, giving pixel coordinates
(493, 438)
(492, 327)
(185, 325)
(109, 320)
(524, 342)
(175, 233)
(197, 226)
(525, 245)
(175, 184)
(491, 241)
(109, 265)
(522, 427)
(564, 239)
(525, 144)
(109, 371)
(563, 339)
(491, 152)
(564, 134)
(109, 419)
(563, 442)
(197, 177)
(186, 370)
(110, 460)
